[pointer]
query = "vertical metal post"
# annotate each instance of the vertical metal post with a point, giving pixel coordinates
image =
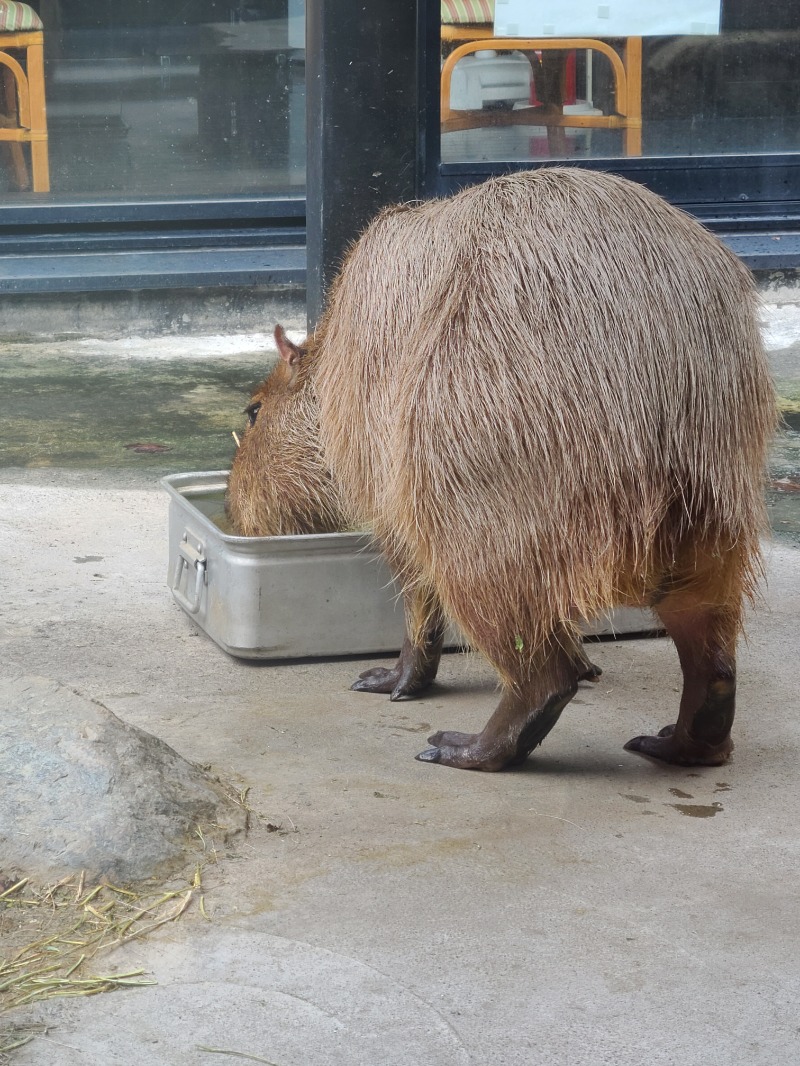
(363, 118)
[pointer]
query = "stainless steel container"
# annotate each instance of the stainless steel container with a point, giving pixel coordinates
(276, 597)
(290, 597)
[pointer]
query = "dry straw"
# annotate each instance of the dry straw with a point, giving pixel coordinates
(13, 1037)
(85, 921)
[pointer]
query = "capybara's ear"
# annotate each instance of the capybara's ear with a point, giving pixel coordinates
(289, 352)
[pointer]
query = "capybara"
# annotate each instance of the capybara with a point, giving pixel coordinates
(548, 397)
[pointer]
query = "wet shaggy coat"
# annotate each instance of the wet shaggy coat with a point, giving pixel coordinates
(547, 395)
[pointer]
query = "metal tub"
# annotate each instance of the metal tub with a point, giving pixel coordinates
(276, 597)
(291, 597)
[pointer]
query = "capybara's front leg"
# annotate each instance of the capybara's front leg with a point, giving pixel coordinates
(419, 659)
(705, 640)
(414, 671)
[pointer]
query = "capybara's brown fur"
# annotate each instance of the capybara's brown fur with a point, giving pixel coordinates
(548, 397)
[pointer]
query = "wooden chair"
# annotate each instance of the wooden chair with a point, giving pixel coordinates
(626, 68)
(22, 97)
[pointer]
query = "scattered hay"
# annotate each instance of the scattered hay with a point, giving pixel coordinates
(17, 1036)
(76, 923)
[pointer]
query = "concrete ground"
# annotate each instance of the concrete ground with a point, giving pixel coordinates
(589, 908)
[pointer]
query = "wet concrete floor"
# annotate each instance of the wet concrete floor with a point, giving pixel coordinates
(146, 407)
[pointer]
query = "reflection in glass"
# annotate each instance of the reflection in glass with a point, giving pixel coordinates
(704, 93)
(196, 98)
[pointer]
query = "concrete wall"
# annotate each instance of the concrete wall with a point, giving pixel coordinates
(209, 311)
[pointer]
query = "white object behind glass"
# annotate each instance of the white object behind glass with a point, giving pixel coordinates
(621, 18)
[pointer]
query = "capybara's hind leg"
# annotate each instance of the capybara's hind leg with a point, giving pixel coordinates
(706, 639)
(419, 659)
(523, 718)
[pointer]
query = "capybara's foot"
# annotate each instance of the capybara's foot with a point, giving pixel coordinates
(669, 747)
(464, 751)
(413, 672)
(590, 672)
(399, 683)
(508, 738)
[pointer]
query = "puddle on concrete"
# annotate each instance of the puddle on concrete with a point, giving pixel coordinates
(681, 795)
(697, 810)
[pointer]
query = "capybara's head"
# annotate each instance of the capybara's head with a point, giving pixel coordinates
(279, 483)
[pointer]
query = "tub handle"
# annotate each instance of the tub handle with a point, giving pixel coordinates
(189, 555)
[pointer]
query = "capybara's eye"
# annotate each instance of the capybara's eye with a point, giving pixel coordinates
(251, 412)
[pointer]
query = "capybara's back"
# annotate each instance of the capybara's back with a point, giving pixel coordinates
(548, 394)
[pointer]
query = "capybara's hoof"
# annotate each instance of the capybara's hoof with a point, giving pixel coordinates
(429, 755)
(590, 672)
(464, 752)
(379, 679)
(666, 747)
(400, 684)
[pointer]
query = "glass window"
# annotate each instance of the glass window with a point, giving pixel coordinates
(573, 79)
(192, 99)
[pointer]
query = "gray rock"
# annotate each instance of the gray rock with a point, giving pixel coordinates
(81, 790)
